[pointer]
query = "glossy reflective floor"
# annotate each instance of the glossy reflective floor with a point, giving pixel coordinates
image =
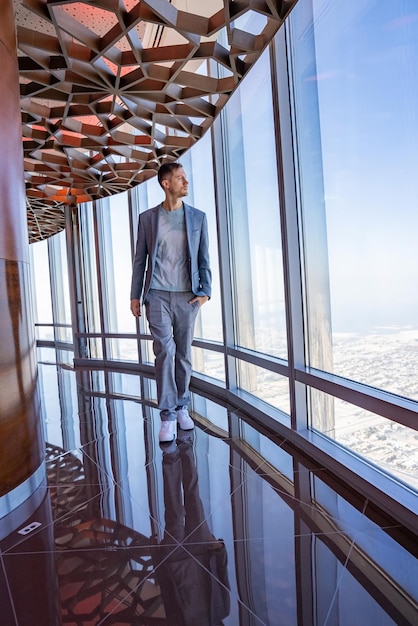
(210, 530)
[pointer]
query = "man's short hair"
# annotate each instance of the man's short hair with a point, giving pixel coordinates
(167, 170)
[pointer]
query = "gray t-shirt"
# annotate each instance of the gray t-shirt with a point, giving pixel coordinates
(171, 264)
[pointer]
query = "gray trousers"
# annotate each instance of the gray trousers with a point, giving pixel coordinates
(171, 321)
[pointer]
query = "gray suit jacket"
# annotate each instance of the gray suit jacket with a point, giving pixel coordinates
(146, 252)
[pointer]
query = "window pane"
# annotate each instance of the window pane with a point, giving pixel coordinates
(125, 384)
(48, 387)
(209, 363)
(116, 247)
(356, 71)
(94, 347)
(41, 287)
(122, 349)
(89, 269)
(391, 446)
(214, 413)
(264, 384)
(46, 355)
(61, 290)
(367, 537)
(254, 215)
(273, 455)
(147, 353)
(198, 165)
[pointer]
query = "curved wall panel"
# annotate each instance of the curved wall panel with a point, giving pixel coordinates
(21, 448)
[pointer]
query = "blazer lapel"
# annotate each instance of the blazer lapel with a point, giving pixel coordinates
(154, 230)
(188, 218)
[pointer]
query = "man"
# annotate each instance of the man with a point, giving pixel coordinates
(172, 253)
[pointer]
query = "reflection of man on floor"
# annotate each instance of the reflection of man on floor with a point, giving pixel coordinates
(193, 576)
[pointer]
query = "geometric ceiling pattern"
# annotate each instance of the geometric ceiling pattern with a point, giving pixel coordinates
(110, 89)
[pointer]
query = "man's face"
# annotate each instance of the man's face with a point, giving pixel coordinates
(178, 184)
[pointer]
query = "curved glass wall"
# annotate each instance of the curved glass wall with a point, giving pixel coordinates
(41, 290)
(352, 69)
(307, 181)
(254, 215)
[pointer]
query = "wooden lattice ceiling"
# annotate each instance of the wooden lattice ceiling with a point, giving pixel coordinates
(112, 88)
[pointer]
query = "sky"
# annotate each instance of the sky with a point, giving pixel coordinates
(366, 80)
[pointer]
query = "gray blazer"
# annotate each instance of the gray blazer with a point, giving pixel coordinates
(146, 252)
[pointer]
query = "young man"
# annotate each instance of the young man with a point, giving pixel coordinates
(172, 254)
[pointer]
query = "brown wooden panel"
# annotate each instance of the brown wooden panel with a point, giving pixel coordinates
(21, 450)
(7, 29)
(13, 223)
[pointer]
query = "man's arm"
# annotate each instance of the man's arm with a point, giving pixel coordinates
(203, 261)
(136, 307)
(200, 299)
(138, 270)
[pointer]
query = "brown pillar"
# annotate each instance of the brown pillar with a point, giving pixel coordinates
(21, 447)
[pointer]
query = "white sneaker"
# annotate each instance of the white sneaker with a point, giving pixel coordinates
(184, 420)
(168, 447)
(168, 431)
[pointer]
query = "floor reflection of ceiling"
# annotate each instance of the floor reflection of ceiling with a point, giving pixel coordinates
(104, 568)
(111, 88)
(111, 572)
